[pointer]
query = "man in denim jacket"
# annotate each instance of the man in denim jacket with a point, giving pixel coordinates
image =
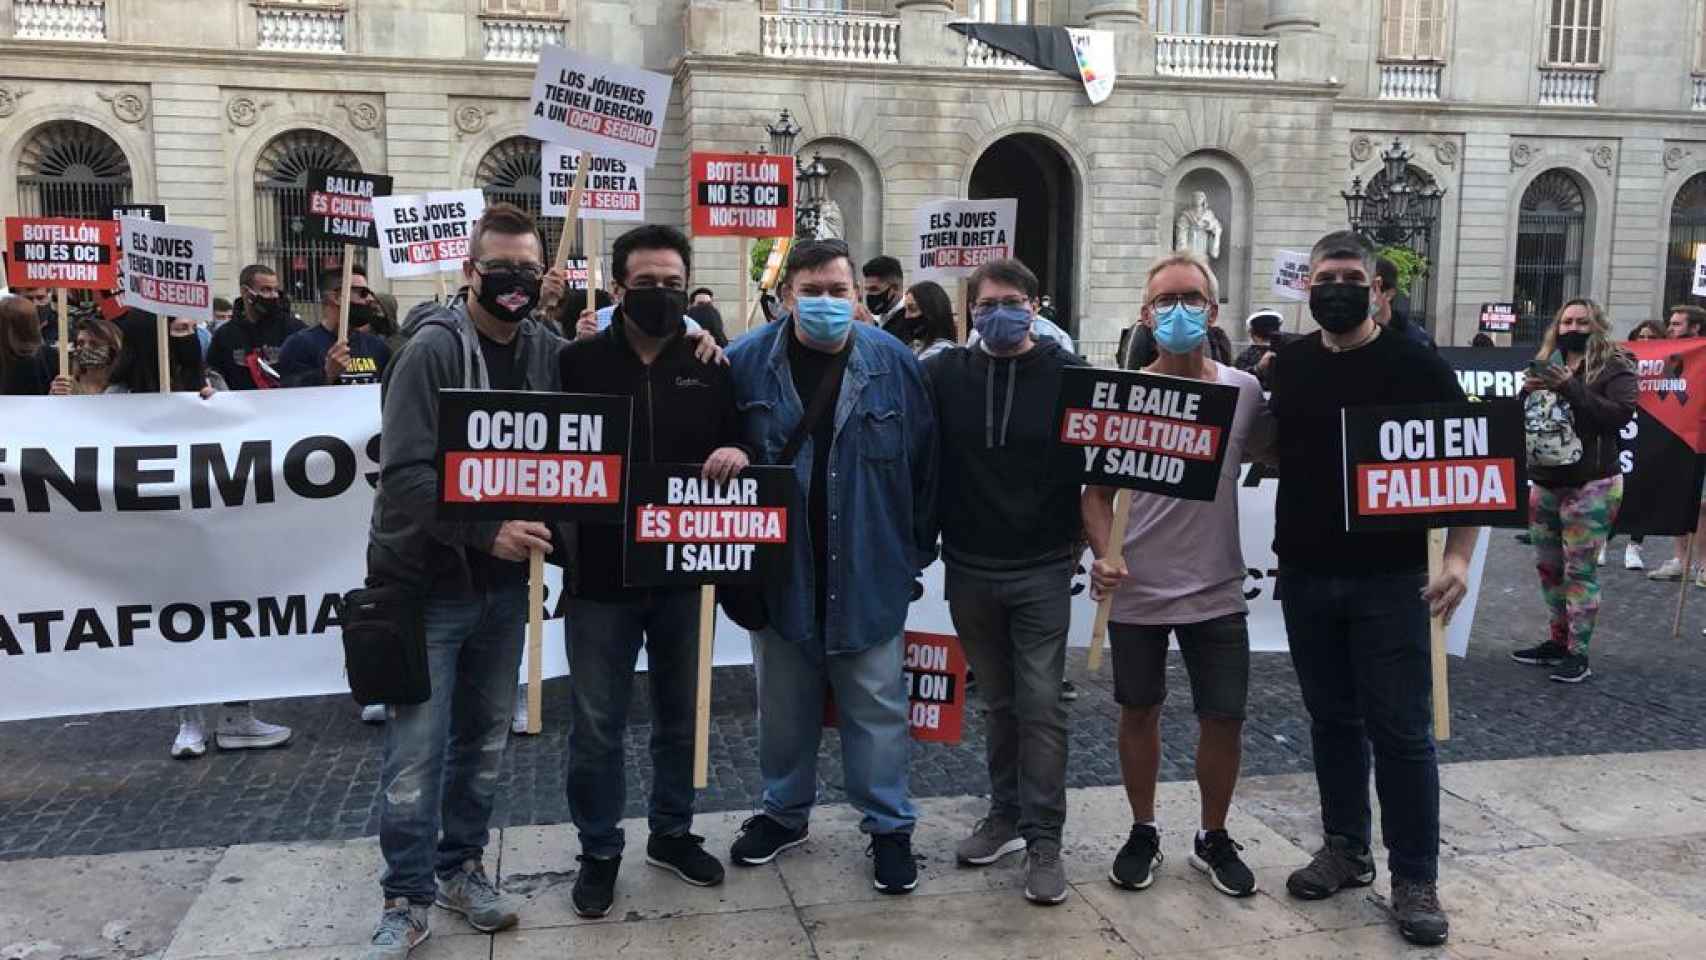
(867, 476)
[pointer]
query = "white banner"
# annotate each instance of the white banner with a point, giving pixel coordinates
(1094, 50)
(423, 234)
(597, 106)
(615, 189)
(167, 268)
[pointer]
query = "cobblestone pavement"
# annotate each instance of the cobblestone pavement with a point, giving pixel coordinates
(104, 783)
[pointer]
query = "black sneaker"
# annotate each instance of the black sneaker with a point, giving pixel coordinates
(1572, 669)
(1216, 854)
(1415, 905)
(684, 855)
(1068, 692)
(1524, 537)
(1546, 654)
(1134, 866)
(761, 839)
(595, 887)
(1337, 865)
(896, 871)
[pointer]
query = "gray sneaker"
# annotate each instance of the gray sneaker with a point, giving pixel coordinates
(992, 839)
(402, 927)
(470, 893)
(1045, 877)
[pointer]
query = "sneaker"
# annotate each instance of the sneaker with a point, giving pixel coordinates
(1216, 854)
(240, 729)
(1068, 692)
(481, 903)
(1632, 558)
(1524, 537)
(1045, 876)
(1336, 866)
(1600, 560)
(192, 739)
(992, 839)
(1670, 570)
(895, 871)
(1546, 654)
(1700, 577)
(1134, 866)
(595, 886)
(1421, 920)
(1572, 669)
(402, 927)
(518, 719)
(684, 855)
(373, 714)
(761, 839)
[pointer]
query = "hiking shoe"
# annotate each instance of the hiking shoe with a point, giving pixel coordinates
(595, 886)
(1632, 559)
(1045, 876)
(240, 729)
(1216, 854)
(1670, 570)
(1068, 692)
(1415, 905)
(1134, 866)
(683, 854)
(402, 927)
(192, 739)
(761, 839)
(469, 892)
(1546, 654)
(373, 714)
(1572, 669)
(895, 870)
(992, 839)
(1337, 865)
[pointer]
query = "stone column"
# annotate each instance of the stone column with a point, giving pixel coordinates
(1290, 16)
(925, 40)
(723, 27)
(1306, 53)
(1134, 41)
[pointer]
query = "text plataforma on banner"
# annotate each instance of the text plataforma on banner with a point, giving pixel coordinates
(427, 233)
(684, 529)
(615, 188)
(1144, 431)
(61, 252)
(515, 455)
(955, 237)
(340, 206)
(168, 268)
(1435, 465)
(743, 195)
(597, 106)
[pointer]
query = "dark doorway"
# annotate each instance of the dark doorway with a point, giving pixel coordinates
(1032, 169)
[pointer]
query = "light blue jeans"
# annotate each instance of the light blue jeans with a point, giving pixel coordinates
(871, 711)
(442, 757)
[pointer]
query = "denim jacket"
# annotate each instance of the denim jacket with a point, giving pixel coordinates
(882, 482)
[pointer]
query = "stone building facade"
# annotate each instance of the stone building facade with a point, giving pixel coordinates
(1569, 137)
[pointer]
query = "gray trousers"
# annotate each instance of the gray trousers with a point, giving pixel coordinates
(1013, 629)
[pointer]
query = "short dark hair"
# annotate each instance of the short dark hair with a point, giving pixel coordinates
(333, 280)
(220, 303)
(707, 291)
(1009, 271)
(652, 236)
(813, 254)
(1482, 340)
(507, 219)
(1387, 271)
(1694, 316)
(253, 270)
(935, 312)
(1265, 323)
(1344, 245)
(883, 268)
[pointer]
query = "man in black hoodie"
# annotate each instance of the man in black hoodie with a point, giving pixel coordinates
(249, 345)
(1009, 513)
(684, 412)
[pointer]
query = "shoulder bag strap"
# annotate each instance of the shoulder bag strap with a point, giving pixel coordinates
(828, 389)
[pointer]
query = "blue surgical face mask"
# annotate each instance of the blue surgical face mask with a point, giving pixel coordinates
(823, 319)
(1002, 328)
(1181, 329)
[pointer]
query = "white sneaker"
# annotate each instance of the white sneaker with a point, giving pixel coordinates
(373, 714)
(1669, 570)
(1601, 560)
(240, 729)
(518, 720)
(1632, 558)
(192, 739)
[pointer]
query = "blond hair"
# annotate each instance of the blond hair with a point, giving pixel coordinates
(1601, 347)
(1186, 258)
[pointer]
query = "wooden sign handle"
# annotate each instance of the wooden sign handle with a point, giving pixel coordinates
(702, 706)
(594, 236)
(165, 355)
(1682, 594)
(535, 636)
(744, 272)
(1116, 547)
(64, 332)
(1436, 644)
(574, 211)
(343, 297)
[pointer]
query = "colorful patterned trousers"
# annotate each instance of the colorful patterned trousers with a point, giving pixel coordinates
(1569, 525)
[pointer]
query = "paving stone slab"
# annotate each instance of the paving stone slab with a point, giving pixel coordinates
(1673, 868)
(1367, 943)
(963, 926)
(119, 905)
(747, 935)
(1588, 799)
(441, 945)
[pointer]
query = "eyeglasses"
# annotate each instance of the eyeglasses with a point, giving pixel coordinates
(1167, 301)
(529, 270)
(989, 303)
(360, 293)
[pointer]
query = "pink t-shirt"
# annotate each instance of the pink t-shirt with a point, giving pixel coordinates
(1184, 558)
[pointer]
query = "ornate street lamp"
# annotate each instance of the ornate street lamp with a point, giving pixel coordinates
(813, 190)
(782, 135)
(1396, 212)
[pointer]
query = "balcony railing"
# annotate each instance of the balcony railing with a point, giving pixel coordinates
(980, 54)
(1410, 81)
(830, 36)
(519, 41)
(1225, 58)
(300, 29)
(1569, 88)
(1700, 93)
(59, 19)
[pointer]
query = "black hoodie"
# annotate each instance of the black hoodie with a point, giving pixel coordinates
(240, 336)
(1009, 491)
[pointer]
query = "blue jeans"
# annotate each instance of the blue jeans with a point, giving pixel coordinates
(871, 710)
(1360, 646)
(602, 653)
(442, 756)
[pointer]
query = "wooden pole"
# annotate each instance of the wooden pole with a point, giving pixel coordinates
(443, 296)
(574, 211)
(1682, 594)
(594, 237)
(960, 335)
(745, 273)
(64, 332)
(1436, 644)
(165, 355)
(535, 636)
(343, 296)
(702, 719)
(1116, 548)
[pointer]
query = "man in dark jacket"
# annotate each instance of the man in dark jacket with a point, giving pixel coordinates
(684, 412)
(313, 357)
(1008, 505)
(260, 321)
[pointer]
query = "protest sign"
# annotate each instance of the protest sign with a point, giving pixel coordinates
(742, 195)
(1498, 317)
(596, 106)
(426, 233)
(1488, 372)
(955, 237)
(575, 274)
(1145, 431)
(683, 529)
(1663, 443)
(1291, 276)
(340, 206)
(516, 455)
(168, 269)
(615, 188)
(1698, 288)
(61, 252)
(1424, 466)
(935, 669)
(147, 211)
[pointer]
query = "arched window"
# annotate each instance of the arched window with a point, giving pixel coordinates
(1550, 234)
(70, 169)
(1687, 234)
(281, 209)
(510, 173)
(1420, 300)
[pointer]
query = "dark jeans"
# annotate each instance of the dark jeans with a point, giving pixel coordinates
(442, 757)
(1013, 630)
(603, 647)
(1360, 646)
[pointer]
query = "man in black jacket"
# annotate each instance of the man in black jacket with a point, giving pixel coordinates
(684, 412)
(250, 343)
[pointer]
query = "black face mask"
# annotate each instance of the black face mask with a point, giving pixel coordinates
(878, 303)
(1576, 341)
(269, 311)
(362, 315)
(655, 311)
(1339, 307)
(185, 352)
(508, 295)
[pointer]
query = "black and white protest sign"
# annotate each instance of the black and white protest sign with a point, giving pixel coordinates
(955, 237)
(1291, 276)
(1498, 317)
(615, 188)
(1145, 431)
(1431, 465)
(597, 106)
(146, 211)
(515, 455)
(684, 529)
(340, 206)
(426, 233)
(1698, 288)
(168, 268)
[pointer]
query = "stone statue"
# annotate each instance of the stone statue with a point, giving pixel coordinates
(1198, 229)
(830, 224)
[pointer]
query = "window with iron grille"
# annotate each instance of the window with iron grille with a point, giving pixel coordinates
(510, 173)
(1687, 235)
(1550, 233)
(1575, 32)
(71, 169)
(1413, 30)
(281, 209)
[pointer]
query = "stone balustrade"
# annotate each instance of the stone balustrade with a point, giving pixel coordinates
(300, 29)
(519, 41)
(1216, 58)
(1410, 81)
(1569, 88)
(980, 54)
(830, 36)
(84, 20)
